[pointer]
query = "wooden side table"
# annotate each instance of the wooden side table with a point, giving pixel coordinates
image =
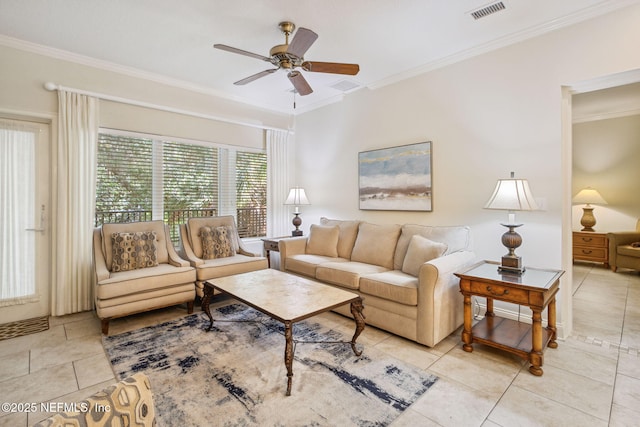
(535, 288)
(591, 246)
(271, 244)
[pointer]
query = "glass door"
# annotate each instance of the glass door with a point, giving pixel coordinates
(24, 220)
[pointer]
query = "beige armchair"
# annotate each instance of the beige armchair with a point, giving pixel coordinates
(211, 266)
(622, 251)
(138, 269)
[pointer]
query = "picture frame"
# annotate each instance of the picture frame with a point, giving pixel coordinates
(396, 178)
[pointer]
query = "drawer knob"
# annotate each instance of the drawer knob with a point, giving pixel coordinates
(587, 239)
(586, 252)
(491, 291)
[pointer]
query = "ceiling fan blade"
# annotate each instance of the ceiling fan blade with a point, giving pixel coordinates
(300, 83)
(241, 52)
(302, 41)
(331, 67)
(255, 77)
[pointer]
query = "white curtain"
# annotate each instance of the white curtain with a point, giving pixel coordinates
(17, 212)
(279, 160)
(74, 203)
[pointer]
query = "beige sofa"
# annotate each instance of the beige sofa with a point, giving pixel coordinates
(241, 260)
(138, 269)
(624, 249)
(403, 272)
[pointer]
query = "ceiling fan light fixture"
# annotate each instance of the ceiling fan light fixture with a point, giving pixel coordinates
(290, 56)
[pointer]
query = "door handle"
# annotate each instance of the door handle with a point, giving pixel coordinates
(40, 229)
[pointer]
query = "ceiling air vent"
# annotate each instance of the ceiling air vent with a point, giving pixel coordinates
(488, 10)
(345, 85)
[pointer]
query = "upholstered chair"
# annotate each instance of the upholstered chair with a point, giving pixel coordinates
(212, 245)
(138, 269)
(624, 249)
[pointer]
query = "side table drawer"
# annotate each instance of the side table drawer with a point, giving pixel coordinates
(591, 241)
(270, 245)
(519, 296)
(599, 253)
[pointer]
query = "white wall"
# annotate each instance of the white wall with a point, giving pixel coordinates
(487, 116)
(606, 156)
(21, 92)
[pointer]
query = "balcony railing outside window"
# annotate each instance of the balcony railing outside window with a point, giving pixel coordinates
(250, 221)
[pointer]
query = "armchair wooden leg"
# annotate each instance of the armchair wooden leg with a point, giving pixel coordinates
(105, 326)
(190, 307)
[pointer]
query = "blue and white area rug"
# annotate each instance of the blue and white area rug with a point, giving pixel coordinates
(235, 374)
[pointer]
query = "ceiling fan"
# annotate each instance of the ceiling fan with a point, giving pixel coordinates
(289, 56)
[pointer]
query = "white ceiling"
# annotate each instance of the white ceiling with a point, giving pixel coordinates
(172, 41)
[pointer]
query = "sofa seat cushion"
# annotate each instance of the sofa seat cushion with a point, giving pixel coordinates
(391, 285)
(628, 250)
(135, 281)
(306, 264)
(149, 299)
(346, 274)
(228, 266)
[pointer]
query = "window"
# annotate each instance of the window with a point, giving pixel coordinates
(140, 179)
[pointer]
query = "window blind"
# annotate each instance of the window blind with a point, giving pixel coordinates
(140, 179)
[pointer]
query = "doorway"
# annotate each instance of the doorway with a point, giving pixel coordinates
(24, 221)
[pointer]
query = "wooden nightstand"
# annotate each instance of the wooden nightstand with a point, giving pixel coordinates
(535, 288)
(591, 246)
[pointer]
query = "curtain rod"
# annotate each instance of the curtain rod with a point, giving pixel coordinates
(50, 86)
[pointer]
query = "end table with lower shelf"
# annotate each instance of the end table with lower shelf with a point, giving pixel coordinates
(535, 288)
(271, 244)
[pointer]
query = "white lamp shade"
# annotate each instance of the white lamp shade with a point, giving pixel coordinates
(512, 195)
(297, 197)
(588, 196)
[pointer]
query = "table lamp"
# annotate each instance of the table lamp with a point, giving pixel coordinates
(297, 198)
(512, 195)
(587, 196)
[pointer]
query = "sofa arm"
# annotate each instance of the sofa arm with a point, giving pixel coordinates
(187, 251)
(174, 258)
(440, 309)
(622, 238)
(100, 264)
(290, 247)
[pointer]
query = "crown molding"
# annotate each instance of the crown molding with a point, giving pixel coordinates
(88, 61)
(535, 31)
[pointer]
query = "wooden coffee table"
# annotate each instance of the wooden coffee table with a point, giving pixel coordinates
(286, 298)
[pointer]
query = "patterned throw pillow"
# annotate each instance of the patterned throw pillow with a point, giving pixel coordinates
(133, 250)
(216, 242)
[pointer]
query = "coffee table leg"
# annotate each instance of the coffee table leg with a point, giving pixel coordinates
(356, 311)
(288, 354)
(206, 299)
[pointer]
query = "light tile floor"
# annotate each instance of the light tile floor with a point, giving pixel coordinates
(591, 379)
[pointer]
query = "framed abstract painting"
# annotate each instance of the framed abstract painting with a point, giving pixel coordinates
(396, 178)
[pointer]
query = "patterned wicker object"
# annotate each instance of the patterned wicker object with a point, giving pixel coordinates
(23, 327)
(127, 403)
(134, 250)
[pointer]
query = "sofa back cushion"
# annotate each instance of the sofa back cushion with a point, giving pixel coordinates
(457, 238)
(323, 240)
(376, 244)
(421, 250)
(347, 236)
(195, 224)
(162, 254)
